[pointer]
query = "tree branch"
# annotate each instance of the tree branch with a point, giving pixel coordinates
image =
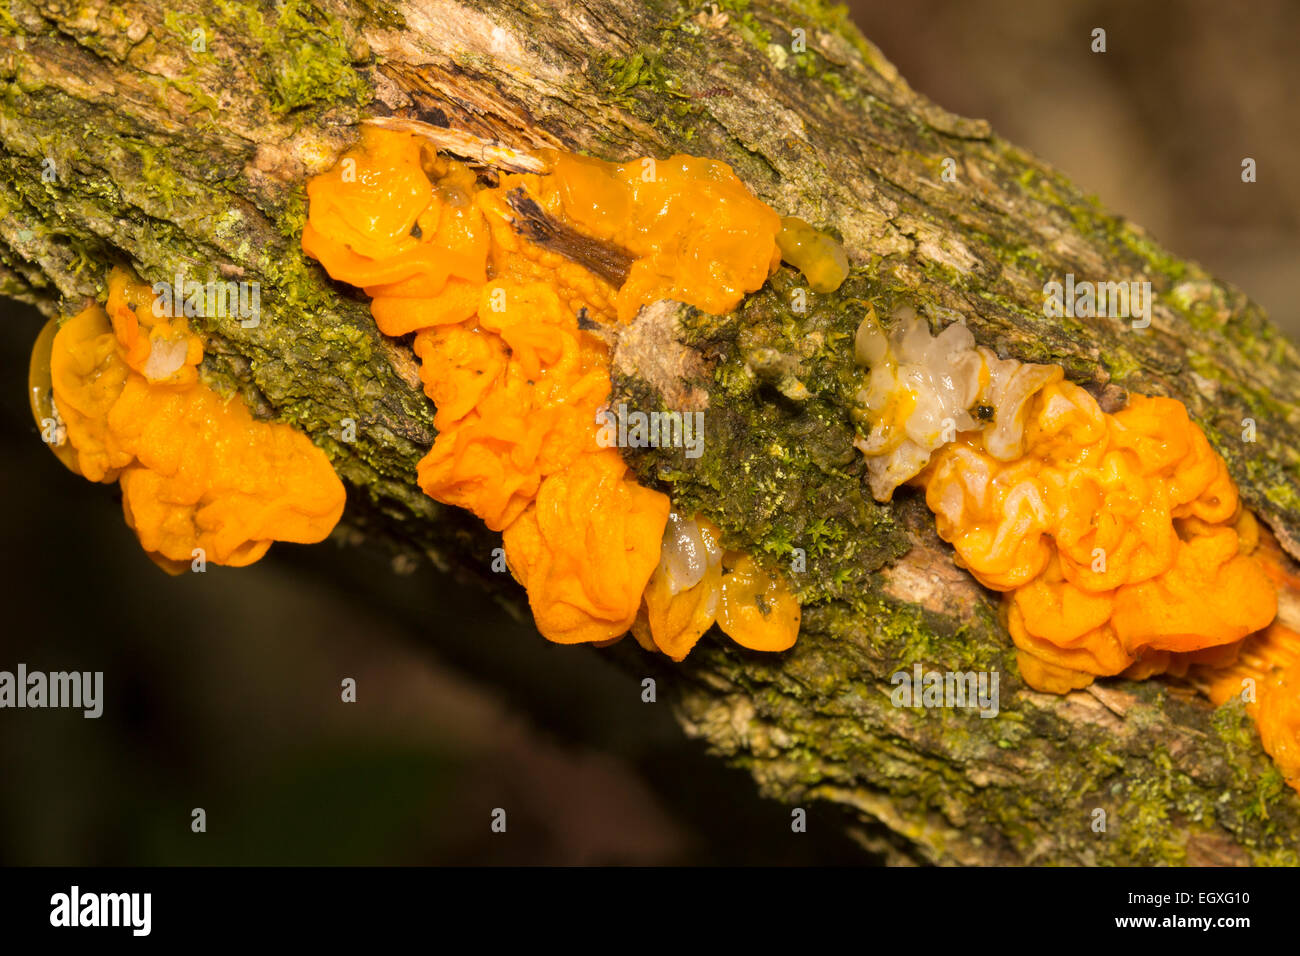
(177, 138)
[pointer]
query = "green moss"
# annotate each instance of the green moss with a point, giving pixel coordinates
(304, 55)
(1285, 496)
(740, 17)
(1121, 364)
(1239, 738)
(1261, 405)
(837, 19)
(182, 27)
(1141, 827)
(158, 175)
(1090, 219)
(646, 85)
(776, 473)
(309, 60)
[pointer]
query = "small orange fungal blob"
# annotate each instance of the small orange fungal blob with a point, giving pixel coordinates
(1278, 716)
(40, 394)
(758, 610)
(817, 255)
(698, 584)
(697, 233)
(681, 601)
(586, 549)
(197, 471)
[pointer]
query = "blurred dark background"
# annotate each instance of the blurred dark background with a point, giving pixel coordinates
(222, 690)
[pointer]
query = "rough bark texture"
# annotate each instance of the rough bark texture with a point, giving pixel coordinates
(182, 151)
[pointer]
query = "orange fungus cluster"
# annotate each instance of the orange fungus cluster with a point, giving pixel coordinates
(1117, 539)
(1263, 669)
(697, 583)
(504, 279)
(117, 394)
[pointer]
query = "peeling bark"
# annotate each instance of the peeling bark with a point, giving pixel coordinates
(179, 137)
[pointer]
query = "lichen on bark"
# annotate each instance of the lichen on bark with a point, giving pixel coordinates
(168, 158)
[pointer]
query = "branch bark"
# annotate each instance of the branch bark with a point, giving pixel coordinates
(179, 136)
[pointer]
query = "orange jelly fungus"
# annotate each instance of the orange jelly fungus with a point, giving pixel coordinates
(40, 394)
(695, 231)
(502, 278)
(1116, 538)
(197, 471)
(1262, 669)
(697, 583)
(586, 548)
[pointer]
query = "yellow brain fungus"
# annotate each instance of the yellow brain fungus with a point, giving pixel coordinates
(586, 548)
(817, 255)
(1114, 535)
(40, 394)
(1117, 539)
(535, 413)
(1263, 669)
(694, 231)
(197, 471)
(681, 601)
(697, 583)
(503, 278)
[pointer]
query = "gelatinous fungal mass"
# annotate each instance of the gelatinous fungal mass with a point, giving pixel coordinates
(1117, 540)
(503, 278)
(697, 583)
(117, 393)
(1262, 669)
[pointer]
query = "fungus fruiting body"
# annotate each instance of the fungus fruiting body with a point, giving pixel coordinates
(697, 583)
(816, 254)
(199, 475)
(1117, 539)
(40, 394)
(1263, 669)
(504, 278)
